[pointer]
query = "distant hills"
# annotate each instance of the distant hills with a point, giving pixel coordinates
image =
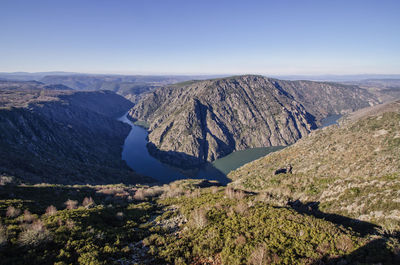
(198, 121)
(31, 85)
(130, 86)
(338, 78)
(384, 89)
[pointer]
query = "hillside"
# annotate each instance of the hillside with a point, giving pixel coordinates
(325, 98)
(63, 136)
(351, 169)
(214, 117)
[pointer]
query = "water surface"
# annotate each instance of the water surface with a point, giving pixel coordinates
(330, 120)
(239, 158)
(137, 157)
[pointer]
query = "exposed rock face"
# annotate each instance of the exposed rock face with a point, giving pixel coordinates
(322, 98)
(204, 120)
(199, 121)
(64, 137)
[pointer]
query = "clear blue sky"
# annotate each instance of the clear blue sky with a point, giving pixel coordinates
(201, 37)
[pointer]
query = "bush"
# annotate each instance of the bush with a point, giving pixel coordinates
(230, 193)
(241, 207)
(139, 195)
(258, 256)
(344, 243)
(51, 210)
(88, 202)
(12, 212)
(34, 235)
(28, 217)
(199, 218)
(234, 194)
(70, 204)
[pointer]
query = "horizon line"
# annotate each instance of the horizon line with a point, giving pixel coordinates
(55, 72)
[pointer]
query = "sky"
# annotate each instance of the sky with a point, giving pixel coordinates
(201, 36)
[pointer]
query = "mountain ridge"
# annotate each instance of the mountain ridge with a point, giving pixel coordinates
(212, 118)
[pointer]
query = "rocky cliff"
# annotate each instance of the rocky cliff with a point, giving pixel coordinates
(198, 121)
(202, 121)
(325, 98)
(64, 137)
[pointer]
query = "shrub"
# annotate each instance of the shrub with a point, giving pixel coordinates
(139, 195)
(214, 189)
(258, 256)
(28, 217)
(70, 224)
(241, 207)
(234, 194)
(88, 202)
(239, 194)
(241, 240)
(4, 180)
(51, 210)
(195, 194)
(172, 191)
(12, 212)
(199, 218)
(70, 204)
(153, 192)
(230, 193)
(34, 235)
(389, 228)
(344, 243)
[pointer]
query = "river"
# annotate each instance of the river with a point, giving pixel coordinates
(137, 157)
(330, 120)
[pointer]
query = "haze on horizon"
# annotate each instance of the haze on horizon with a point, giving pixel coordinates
(201, 37)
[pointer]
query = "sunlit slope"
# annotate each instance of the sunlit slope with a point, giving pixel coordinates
(352, 169)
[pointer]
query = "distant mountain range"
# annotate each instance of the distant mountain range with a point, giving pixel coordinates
(338, 78)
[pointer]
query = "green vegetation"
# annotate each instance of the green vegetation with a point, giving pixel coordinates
(95, 231)
(180, 223)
